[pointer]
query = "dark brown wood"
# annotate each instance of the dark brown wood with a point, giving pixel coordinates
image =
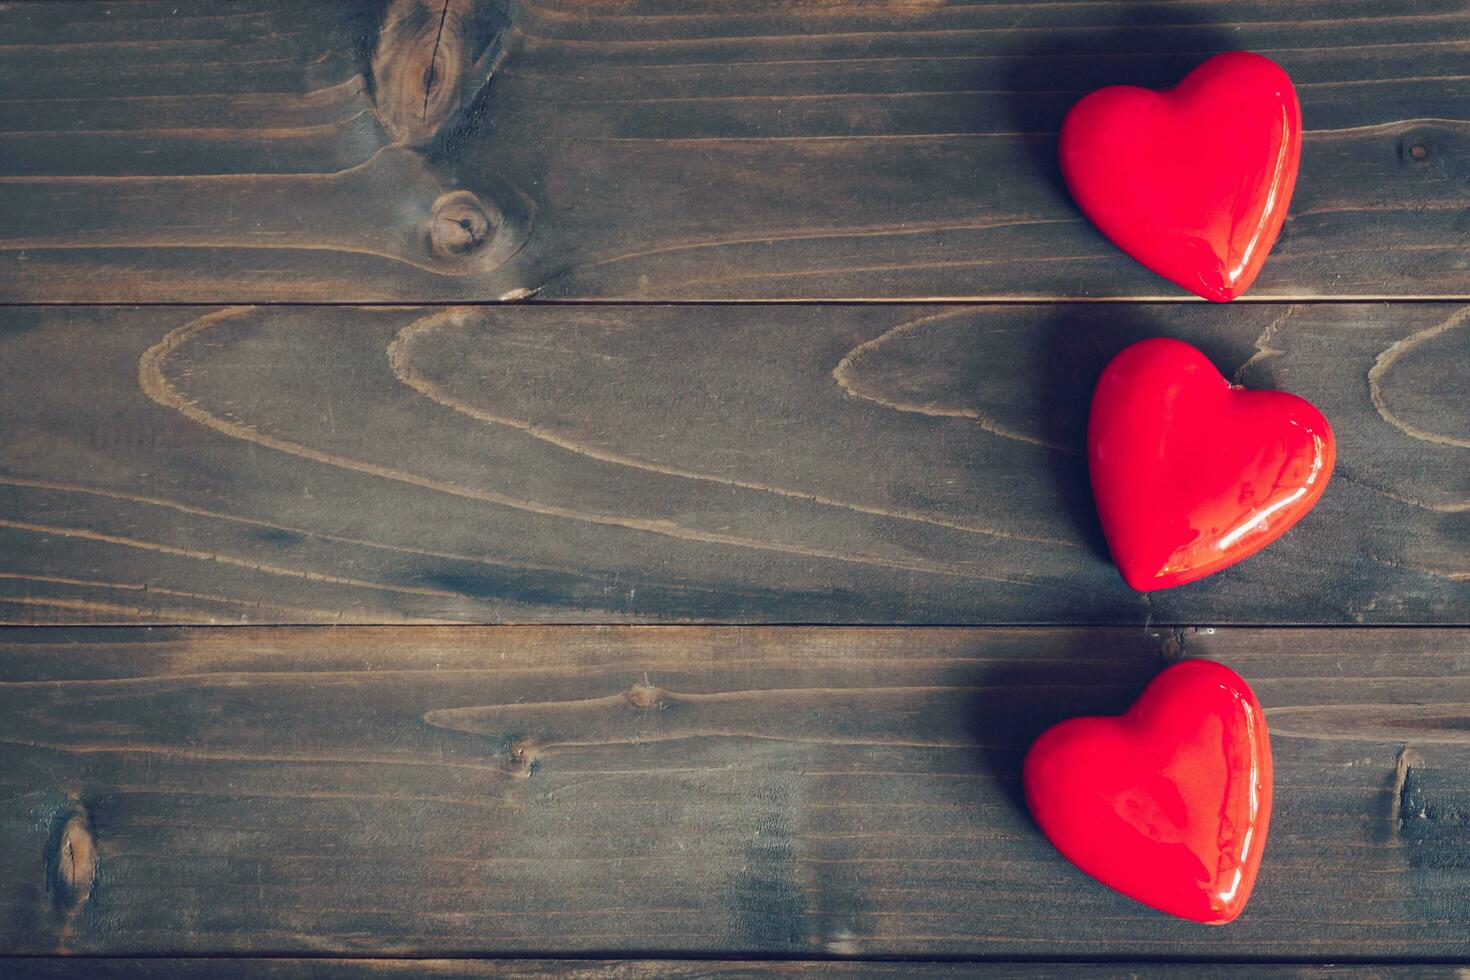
(265, 150)
(746, 791)
(336, 969)
(677, 791)
(875, 463)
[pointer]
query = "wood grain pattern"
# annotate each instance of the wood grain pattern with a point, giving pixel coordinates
(668, 149)
(99, 968)
(746, 791)
(297, 795)
(781, 463)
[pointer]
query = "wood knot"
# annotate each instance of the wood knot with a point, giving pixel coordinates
(1419, 151)
(1403, 802)
(460, 226)
(71, 861)
(643, 696)
(432, 57)
(1171, 646)
(523, 755)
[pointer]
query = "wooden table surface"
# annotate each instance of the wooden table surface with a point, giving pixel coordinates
(514, 488)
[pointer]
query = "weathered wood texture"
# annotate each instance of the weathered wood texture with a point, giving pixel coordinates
(95, 968)
(872, 463)
(682, 791)
(751, 791)
(669, 149)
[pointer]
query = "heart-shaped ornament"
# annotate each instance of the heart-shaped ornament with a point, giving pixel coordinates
(1168, 803)
(1193, 182)
(1190, 473)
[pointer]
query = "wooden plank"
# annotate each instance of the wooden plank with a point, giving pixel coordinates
(438, 969)
(863, 464)
(687, 790)
(669, 149)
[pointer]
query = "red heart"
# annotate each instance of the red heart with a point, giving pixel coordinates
(1192, 474)
(1168, 803)
(1194, 181)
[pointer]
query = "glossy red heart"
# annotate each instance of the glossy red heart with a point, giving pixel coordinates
(1193, 182)
(1191, 474)
(1168, 803)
